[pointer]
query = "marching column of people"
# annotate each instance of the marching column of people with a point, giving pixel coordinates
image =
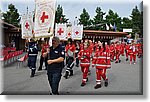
(101, 55)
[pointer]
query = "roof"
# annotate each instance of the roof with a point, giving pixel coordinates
(104, 33)
(7, 26)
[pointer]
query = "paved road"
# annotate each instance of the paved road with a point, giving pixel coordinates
(123, 79)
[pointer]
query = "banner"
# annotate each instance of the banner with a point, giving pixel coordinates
(44, 18)
(60, 31)
(27, 26)
(77, 32)
(69, 32)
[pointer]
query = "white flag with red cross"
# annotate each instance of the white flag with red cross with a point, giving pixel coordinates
(44, 18)
(27, 26)
(77, 32)
(60, 31)
(69, 32)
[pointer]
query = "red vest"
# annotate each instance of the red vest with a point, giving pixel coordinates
(132, 49)
(84, 56)
(70, 48)
(101, 59)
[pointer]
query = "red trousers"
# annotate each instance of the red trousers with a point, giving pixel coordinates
(117, 56)
(100, 73)
(84, 73)
(122, 52)
(112, 54)
(132, 57)
(127, 54)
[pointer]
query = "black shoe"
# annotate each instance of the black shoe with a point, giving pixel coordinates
(97, 86)
(126, 59)
(116, 62)
(83, 84)
(39, 69)
(66, 75)
(77, 65)
(119, 61)
(71, 73)
(31, 76)
(32, 73)
(106, 83)
(87, 79)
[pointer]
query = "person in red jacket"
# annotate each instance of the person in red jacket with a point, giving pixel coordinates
(112, 51)
(139, 49)
(127, 50)
(122, 45)
(81, 45)
(117, 51)
(44, 47)
(101, 61)
(132, 52)
(70, 57)
(84, 57)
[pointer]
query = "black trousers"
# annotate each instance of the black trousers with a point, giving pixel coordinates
(54, 78)
(42, 59)
(70, 65)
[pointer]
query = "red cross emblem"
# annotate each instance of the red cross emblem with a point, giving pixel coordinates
(69, 33)
(27, 25)
(60, 31)
(44, 17)
(77, 32)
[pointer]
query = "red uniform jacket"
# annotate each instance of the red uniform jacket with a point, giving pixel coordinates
(84, 56)
(101, 59)
(118, 49)
(122, 47)
(44, 48)
(70, 49)
(132, 49)
(112, 48)
(139, 48)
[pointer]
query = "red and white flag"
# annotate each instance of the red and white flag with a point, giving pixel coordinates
(44, 18)
(77, 32)
(60, 31)
(27, 26)
(69, 32)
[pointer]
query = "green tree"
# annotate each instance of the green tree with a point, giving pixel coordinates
(98, 20)
(137, 21)
(126, 23)
(113, 18)
(12, 16)
(60, 17)
(85, 19)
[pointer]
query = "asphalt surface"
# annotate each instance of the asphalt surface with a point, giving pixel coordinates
(124, 79)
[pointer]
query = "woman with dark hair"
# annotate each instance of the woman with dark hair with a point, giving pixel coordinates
(101, 61)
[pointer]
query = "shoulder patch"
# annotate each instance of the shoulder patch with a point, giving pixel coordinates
(62, 53)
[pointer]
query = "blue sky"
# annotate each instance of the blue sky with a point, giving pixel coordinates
(73, 8)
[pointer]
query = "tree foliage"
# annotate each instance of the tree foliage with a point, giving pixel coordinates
(85, 18)
(12, 16)
(137, 20)
(114, 19)
(59, 16)
(98, 20)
